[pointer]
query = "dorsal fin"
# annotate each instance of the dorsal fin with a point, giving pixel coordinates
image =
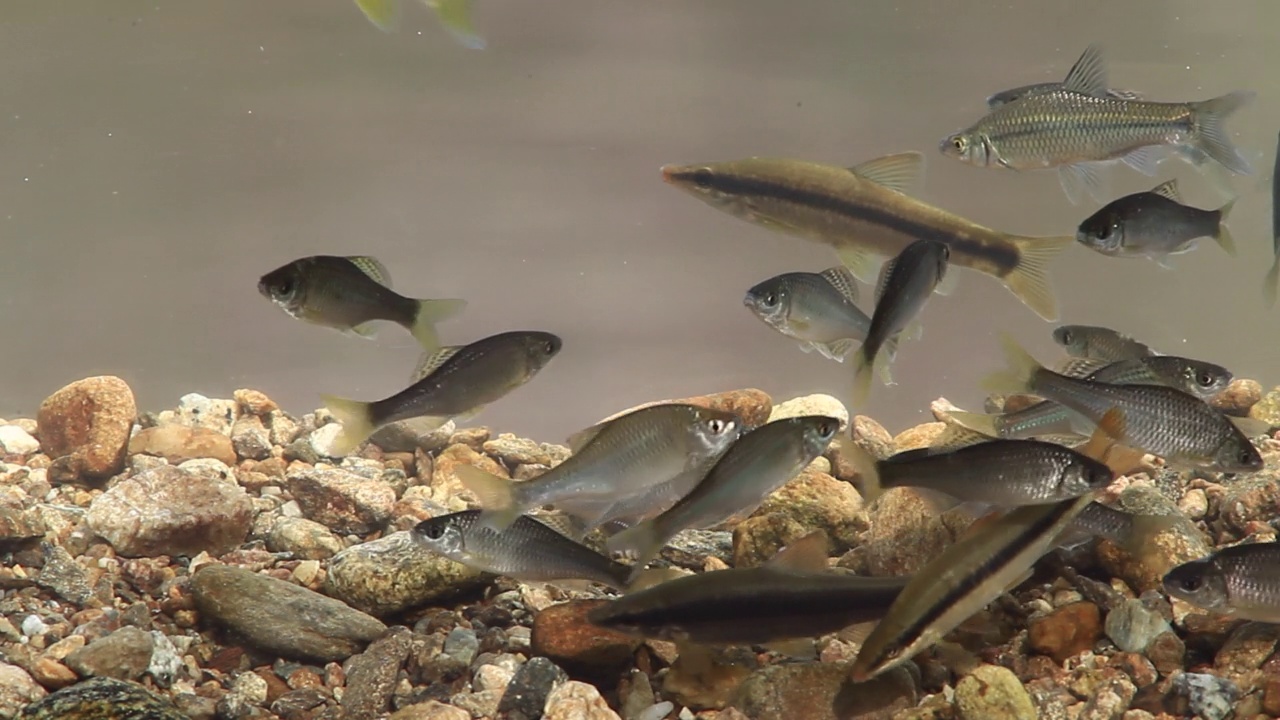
(429, 362)
(1089, 74)
(842, 279)
(899, 172)
(1080, 367)
(371, 267)
(579, 440)
(809, 553)
(1168, 190)
(883, 281)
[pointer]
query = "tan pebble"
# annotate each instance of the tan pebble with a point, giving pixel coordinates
(52, 674)
(920, 436)
(255, 402)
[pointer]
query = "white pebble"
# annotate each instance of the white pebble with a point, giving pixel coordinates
(323, 438)
(491, 677)
(656, 712)
(17, 441)
(32, 626)
(291, 509)
(811, 405)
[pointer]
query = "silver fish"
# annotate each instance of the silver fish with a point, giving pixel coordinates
(760, 462)
(1272, 281)
(614, 460)
(906, 284)
(818, 309)
(1005, 97)
(1161, 420)
(464, 380)
(1154, 225)
(1242, 581)
(1098, 343)
(350, 294)
(1078, 128)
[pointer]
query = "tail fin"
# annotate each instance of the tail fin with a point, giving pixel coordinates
(357, 425)
(977, 422)
(497, 496)
(645, 579)
(1021, 371)
(1029, 280)
(1210, 134)
(455, 16)
(1224, 234)
(384, 14)
(643, 540)
(1269, 285)
(429, 313)
(868, 473)
(863, 370)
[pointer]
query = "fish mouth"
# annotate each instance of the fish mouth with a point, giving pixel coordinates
(669, 173)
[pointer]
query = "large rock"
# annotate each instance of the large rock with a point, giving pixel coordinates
(85, 428)
(811, 405)
(166, 511)
(396, 573)
(102, 698)
(280, 617)
(124, 655)
(179, 443)
(562, 634)
(341, 500)
(905, 532)
(992, 692)
(371, 675)
(820, 502)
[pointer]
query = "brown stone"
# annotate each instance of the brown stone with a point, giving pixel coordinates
(1067, 631)
(179, 443)
(562, 634)
(254, 402)
(446, 488)
(820, 502)
(85, 427)
(920, 436)
(760, 537)
(751, 406)
(1167, 652)
(1238, 397)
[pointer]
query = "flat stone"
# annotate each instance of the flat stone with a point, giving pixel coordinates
(102, 698)
(179, 443)
(562, 634)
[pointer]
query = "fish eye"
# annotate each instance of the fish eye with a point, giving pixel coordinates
(718, 426)
(702, 177)
(284, 287)
(826, 427)
(771, 300)
(959, 143)
(1190, 583)
(551, 347)
(1204, 379)
(1067, 338)
(434, 531)
(946, 252)
(1246, 456)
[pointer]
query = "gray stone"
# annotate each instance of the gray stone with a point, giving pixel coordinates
(281, 617)
(1132, 626)
(124, 655)
(1208, 696)
(341, 500)
(462, 645)
(247, 692)
(250, 438)
(305, 539)
(394, 573)
(196, 410)
(63, 575)
(371, 675)
(527, 693)
(102, 698)
(166, 661)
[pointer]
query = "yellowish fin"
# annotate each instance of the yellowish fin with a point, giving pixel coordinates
(384, 14)
(1271, 284)
(807, 554)
(652, 577)
(862, 375)
(455, 16)
(1020, 372)
(1224, 234)
(1104, 445)
(1029, 281)
(356, 423)
(642, 540)
(956, 436)
(868, 473)
(899, 172)
(496, 495)
(431, 312)
(857, 633)
(794, 647)
(976, 422)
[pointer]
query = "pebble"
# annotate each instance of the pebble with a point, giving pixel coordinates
(491, 677)
(17, 689)
(992, 692)
(461, 644)
(752, 406)
(920, 436)
(16, 441)
(411, 435)
(63, 575)
(821, 691)
(1065, 632)
(341, 500)
(520, 451)
(1180, 542)
(1241, 657)
(760, 537)
(102, 698)
(281, 617)
(811, 405)
(1194, 504)
(386, 576)
(1109, 699)
(178, 443)
(1167, 652)
(1238, 397)
(526, 695)
(166, 511)
(18, 525)
(166, 661)
(562, 634)
(371, 675)
(1249, 500)
(250, 438)
(905, 532)
(446, 488)
(575, 700)
(124, 655)
(304, 539)
(1132, 626)
(1267, 409)
(247, 691)
(431, 710)
(1208, 696)
(820, 502)
(85, 428)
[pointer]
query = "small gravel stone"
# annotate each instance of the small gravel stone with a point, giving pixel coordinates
(431, 710)
(1208, 696)
(63, 575)
(341, 500)
(575, 700)
(16, 441)
(17, 689)
(1132, 626)
(247, 691)
(519, 451)
(250, 438)
(1066, 632)
(85, 428)
(179, 443)
(305, 539)
(563, 634)
(462, 645)
(371, 675)
(124, 655)
(992, 692)
(526, 695)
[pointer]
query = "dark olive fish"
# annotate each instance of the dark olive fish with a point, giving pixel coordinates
(1098, 343)
(350, 293)
(865, 214)
(906, 284)
(1242, 581)
(793, 595)
(1272, 281)
(1154, 225)
(468, 378)
(1013, 95)
(526, 550)
(818, 309)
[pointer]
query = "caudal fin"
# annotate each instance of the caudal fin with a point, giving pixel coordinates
(496, 495)
(1029, 280)
(1224, 234)
(384, 14)
(1271, 283)
(1020, 373)
(357, 425)
(864, 464)
(643, 541)
(455, 16)
(429, 313)
(1210, 133)
(863, 371)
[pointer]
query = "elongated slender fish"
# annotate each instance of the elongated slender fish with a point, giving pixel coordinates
(1000, 472)
(760, 462)
(350, 293)
(1161, 420)
(1201, 379)
(1098, 343)
(1272, 280)
(526, 550)
(793, 595)
(1078, 128)
(461, 381)
(818, 309)
(614, 460)
(961, 581)
(1154, 225)
(454, 15)
(865, 214)
(906, 284)
(1007, 96)
(1242, 581)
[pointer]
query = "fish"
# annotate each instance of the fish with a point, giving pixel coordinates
(454, 15)
(460, 381)
(349, 293)
(1154, 225)
(866, 215)
(1160, 420)
(1078, 128)
(1005, 97)
(1130, 531)
(962, 580)
(1099, 343)
(1201, 379)
(793, 595)
(999, 472)
(818, 309)
(906, 284)
(612, 461)
(526, 550)
(1242, 581)
(1272, 281)
(761, 461)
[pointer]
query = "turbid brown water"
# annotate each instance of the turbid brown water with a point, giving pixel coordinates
(157, 157)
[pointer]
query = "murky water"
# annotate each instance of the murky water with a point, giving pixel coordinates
(157, 157)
